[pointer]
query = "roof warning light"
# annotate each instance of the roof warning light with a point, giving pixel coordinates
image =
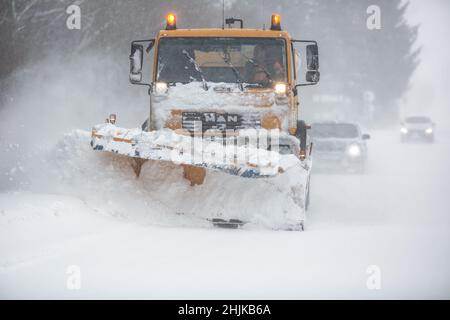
(276, 22)
(171, 22)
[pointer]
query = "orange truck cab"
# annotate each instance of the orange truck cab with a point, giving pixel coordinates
(224, 79)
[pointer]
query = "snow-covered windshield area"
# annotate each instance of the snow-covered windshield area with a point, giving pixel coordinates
(343, 131)
(222, 60)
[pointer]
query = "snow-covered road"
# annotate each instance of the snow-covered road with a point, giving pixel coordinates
(395, 217)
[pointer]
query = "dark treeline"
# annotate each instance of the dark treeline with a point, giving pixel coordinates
(355, 62)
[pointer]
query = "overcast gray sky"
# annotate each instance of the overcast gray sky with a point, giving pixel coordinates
(431, 82)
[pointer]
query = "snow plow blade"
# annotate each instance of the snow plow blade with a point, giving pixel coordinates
(228, 197)
(184, 149)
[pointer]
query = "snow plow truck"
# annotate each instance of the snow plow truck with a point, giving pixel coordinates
(224, 101)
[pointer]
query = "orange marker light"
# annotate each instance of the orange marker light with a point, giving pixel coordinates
(276, 22)
(171, 21)
(276, 19)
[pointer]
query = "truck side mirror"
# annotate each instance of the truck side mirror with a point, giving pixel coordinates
(365, 136)
(312, 57)
(311, 67)
(313, 76)
(136, 61)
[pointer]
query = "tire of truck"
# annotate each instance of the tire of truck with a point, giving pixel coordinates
(297, 227)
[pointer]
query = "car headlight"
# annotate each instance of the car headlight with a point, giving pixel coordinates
(280, 88)
(354, 150)
(161, 88)
(429, 131)
(404, 130)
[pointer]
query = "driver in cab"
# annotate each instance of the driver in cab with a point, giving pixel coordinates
(265, 67)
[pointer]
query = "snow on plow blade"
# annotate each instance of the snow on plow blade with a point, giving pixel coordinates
(244, 160)
(277, 199)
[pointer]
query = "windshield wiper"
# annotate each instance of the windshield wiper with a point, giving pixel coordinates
(236, 72)
(197, 68)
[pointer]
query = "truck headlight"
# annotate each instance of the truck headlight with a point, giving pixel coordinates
(404, 130)
(354, 150)
(280, 88)
(161, 88)
(429, 131)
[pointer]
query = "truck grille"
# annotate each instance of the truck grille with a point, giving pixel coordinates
(219, 121)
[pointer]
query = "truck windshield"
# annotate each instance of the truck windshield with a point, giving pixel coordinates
(259, 61)
(343, 131)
